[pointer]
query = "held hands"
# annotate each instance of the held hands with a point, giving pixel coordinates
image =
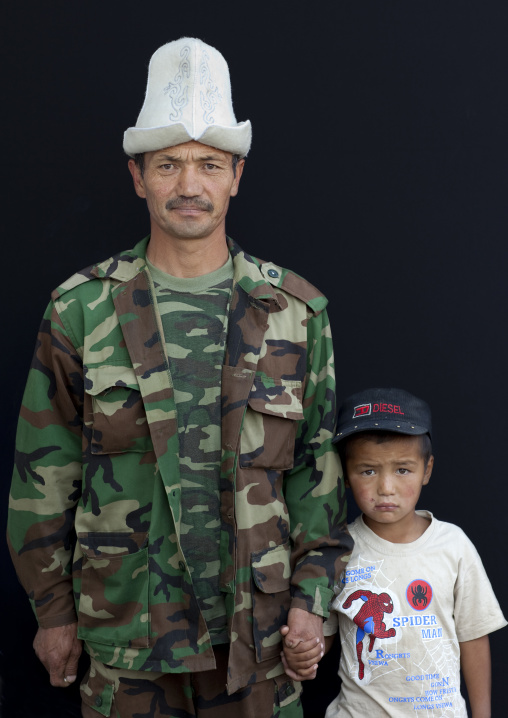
(59, 650)
(303, 644)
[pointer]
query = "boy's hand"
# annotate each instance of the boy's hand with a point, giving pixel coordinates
(300, 661)
(307, 628)
(303, 626)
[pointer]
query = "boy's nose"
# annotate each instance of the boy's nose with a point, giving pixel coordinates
(385, 486)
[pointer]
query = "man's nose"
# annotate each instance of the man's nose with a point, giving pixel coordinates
(189, 183)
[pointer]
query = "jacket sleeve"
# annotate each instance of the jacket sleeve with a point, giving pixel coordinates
(47, 475)
(314, 487)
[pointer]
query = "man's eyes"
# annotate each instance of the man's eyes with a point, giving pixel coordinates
(209, 166)
(212, 167)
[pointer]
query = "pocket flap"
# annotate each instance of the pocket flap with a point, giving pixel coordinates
(99, 379)
(111, 545)
(271, 569)
(277, 397)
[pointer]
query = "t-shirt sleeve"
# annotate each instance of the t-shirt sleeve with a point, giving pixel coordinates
(477, 611)
(331, 625)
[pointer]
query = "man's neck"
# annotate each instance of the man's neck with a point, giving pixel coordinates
(187, 257)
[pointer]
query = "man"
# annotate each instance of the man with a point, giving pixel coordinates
(176, 497)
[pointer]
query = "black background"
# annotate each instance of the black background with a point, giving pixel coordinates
(378, 170)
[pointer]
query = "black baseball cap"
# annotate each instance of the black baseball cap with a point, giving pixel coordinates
(383, 410)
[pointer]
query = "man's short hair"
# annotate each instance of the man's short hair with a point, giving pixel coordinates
(139, 159)
(234, 162)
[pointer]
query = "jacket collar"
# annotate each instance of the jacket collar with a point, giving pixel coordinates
(247, 273)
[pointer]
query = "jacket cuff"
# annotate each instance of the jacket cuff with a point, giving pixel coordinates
(54, 621)
(320, 604)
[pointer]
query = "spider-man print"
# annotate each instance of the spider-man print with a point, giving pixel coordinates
(369, 620)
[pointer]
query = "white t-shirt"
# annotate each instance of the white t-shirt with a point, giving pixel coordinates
(402, 611)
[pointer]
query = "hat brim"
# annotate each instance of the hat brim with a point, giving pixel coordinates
(377, 424)
(236, 140)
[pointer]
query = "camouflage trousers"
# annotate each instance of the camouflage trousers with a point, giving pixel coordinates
(117, 693)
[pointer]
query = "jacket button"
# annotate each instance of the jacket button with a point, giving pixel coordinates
(98, 701)
(273, 273)
(181, 565)
(290, 689)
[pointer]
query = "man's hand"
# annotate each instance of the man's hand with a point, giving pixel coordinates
(59, 650)
(307, 629)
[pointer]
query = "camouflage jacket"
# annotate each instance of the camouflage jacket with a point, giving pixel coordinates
(95, 499)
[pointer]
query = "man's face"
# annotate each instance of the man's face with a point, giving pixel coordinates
(187, 189)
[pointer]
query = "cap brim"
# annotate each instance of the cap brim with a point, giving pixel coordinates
(236, 140)
(395, 426)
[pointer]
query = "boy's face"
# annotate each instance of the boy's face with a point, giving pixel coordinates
(386, 480)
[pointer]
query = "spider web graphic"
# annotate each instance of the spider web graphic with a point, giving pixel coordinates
(427, 656)
(441, 656)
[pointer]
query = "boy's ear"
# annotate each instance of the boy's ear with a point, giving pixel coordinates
(428, 470)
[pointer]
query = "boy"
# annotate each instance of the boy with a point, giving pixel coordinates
(414, 604)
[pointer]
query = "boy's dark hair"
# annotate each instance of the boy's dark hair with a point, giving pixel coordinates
(381, 437)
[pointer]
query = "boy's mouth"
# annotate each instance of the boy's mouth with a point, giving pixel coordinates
(386, 507)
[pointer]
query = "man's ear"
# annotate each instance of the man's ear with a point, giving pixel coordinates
(137, 178)
(238, 176)
(428, 471)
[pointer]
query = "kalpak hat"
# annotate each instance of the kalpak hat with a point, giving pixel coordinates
(383, 410)
(188, 97)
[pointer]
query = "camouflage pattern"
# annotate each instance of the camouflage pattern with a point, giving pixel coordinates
(95, 510)
(194, 319)
(139, 694)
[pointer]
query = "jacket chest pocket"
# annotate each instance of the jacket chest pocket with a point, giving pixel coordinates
(271, 420)
(115, 412)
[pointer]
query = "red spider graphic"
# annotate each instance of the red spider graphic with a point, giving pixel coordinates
(369, 620)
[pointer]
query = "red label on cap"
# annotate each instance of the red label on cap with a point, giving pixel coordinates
(387, 409)
(362, 410)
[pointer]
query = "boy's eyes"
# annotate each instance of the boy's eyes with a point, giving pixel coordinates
(402, 471)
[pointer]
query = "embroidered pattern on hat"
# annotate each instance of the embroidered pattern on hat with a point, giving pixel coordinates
(211, 95)
(176, 91)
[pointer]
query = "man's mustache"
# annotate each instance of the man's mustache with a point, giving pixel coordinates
(189, 203)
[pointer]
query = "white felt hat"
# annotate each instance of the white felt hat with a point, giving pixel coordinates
(188, 97)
